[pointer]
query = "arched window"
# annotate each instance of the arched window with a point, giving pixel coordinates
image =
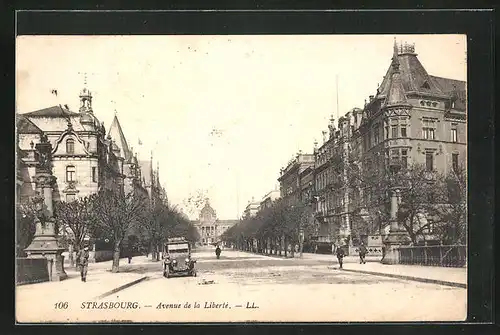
(70, 173)
(70, 146)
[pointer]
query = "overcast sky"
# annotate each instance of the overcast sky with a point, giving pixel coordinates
(266, 97)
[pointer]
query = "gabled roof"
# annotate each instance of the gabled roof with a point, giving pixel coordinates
(54, 111)
(116, 133)
(25, 126)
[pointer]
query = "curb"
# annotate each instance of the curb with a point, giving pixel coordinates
(418, 279)
(120, 288)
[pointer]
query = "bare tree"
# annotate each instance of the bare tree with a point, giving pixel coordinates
(115, 214)
(451, 218)
(195, 202)
(74, 219)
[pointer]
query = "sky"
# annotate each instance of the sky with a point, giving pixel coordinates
(221, 114)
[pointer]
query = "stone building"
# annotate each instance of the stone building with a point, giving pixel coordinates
(268, 199)
(251, 209)
(414, 117)
(209, 227)
(292, 186)
(84, 158)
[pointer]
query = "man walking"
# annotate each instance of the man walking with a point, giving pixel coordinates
(82, 260)
(340, 255)
(362, 253)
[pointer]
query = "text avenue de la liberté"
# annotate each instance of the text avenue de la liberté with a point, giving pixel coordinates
(163, 305)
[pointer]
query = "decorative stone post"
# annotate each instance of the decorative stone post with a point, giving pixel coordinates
(45, 244)
(397, 236)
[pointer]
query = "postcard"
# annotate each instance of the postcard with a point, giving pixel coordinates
(241, 178)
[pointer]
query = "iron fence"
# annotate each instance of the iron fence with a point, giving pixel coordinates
(435, 255)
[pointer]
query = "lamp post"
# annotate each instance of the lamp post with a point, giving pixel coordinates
(397, 236)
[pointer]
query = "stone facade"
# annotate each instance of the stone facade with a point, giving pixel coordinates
(251, 209)
(209, 227)
(269, 198)
(292, 186)
(413, 118)
(84, 159)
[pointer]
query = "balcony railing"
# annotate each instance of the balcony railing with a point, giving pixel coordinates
(436, 255)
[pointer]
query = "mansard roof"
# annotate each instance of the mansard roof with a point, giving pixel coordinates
(54, 111)
(25, 126)
(414, 77)
(116, 133)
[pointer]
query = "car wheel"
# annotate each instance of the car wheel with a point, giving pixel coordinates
(194, 273)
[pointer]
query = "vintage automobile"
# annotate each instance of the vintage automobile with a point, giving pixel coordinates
(177, 258)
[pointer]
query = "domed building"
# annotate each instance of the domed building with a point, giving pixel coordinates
(209, 227)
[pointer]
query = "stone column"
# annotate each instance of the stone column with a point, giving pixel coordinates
(45, 244)
(397, 236)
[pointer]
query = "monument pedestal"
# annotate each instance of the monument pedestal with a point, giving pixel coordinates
(394, 240)
(45, 245)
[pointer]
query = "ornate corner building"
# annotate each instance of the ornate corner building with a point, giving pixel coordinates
(414, 117)
(84, 159)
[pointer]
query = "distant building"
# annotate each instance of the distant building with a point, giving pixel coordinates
(269, 198)
(209, 227)
(292, 186)
(251, 209)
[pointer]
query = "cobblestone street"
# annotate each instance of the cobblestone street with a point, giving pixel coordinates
(307, 289)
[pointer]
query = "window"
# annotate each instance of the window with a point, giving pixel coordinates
(429, 129)
(454, 134)
(70, 197)
(394, 155)
(394, 132)
(70, 173)
(403, 131)
(376, 134)
(454, 162)
(404, 158)
(386, 132)
(70, 146)
(94, 174)
(429, 161)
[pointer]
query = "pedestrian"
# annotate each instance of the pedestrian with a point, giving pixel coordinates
(333, 248)
(340, 255)
(129, 258)
(82, 260)
(362, 253)
(217, 252)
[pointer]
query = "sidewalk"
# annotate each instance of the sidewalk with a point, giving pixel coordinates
(456, 277)
(100, 280)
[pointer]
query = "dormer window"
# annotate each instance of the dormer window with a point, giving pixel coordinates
(426, 85)
(70, 146)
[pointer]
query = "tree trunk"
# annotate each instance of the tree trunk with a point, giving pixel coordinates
(286, 247)
(70, 255)
(116, 257)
